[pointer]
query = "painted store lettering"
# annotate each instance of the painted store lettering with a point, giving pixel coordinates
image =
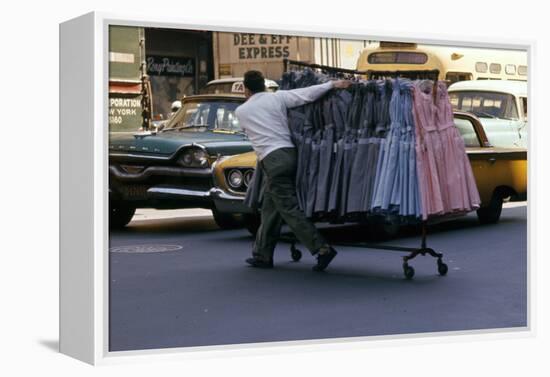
(262, 46)
(264, 52)
(124, 102)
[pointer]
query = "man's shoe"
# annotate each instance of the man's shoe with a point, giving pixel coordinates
(323, 260)
(256, 262)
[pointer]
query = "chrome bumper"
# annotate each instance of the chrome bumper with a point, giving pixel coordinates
(158, 170)
(228, 203)
(221, 200)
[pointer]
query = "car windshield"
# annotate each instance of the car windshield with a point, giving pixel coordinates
(485, 104)
(206, 115)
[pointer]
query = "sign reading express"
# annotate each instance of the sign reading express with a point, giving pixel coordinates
(261, 46)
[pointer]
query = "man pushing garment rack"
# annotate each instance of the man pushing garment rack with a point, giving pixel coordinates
(254, 195)
(264, 119)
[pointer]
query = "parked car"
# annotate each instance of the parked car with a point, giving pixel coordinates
(233, 85)
(501, 105)
(500, 173)
(172, 168)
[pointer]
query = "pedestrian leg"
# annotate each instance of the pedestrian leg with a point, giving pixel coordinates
(269, 231)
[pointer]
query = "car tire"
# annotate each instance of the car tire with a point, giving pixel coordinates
(226, 220)
(120, 215)
(252, 223)
(491, 213)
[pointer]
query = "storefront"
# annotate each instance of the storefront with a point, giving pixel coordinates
(178, 63)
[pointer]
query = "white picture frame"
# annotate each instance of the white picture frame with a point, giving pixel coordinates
(84, 318)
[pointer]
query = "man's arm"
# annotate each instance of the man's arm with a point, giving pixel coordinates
(299, 97)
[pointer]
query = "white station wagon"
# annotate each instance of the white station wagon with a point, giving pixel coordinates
(501, 106)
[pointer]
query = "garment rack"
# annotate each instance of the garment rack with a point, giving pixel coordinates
(413, 252)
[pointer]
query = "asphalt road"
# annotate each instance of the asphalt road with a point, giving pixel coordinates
(204, 294)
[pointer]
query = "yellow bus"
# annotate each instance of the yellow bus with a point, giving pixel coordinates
(453, 63)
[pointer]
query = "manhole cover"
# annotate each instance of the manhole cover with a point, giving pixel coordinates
(142, 249)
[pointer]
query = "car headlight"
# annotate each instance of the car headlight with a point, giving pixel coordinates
(248, 174)
(235, 178)
(196, 158)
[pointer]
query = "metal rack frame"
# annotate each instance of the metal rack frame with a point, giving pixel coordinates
(413, 252)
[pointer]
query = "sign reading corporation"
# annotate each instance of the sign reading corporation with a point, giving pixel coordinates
(261, 46)
(170, 66)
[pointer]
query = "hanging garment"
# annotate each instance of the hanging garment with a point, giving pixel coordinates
(254, 193)
(446, 182)
(359, 171)
(350, 143)
(391, 194)
(325, 157)
(342, 104)
(428, 149)
(312, 174)
(460, 182)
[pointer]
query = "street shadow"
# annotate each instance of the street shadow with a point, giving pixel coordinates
(52, 345)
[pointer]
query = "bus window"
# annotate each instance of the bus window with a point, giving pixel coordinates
(457, 76)
(495, 68)
(481, 67)
(522, 70)
(510, 69)
(398, 57)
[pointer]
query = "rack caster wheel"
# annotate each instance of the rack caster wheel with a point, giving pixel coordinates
(295, 254)
(408, 271)
(442, 268)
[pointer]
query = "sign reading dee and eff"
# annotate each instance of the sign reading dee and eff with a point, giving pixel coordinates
(262, 46)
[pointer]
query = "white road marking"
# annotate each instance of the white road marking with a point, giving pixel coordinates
(143, 214)
(514, 204)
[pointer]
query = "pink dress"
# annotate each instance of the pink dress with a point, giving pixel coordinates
(460, 181)
(445, 178)
(431, 201)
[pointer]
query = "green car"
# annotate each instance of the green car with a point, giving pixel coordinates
(172, 168)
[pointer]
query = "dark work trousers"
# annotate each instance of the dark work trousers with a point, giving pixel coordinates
(281, 205)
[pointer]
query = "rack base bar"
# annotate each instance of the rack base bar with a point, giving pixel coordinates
(408, 270)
